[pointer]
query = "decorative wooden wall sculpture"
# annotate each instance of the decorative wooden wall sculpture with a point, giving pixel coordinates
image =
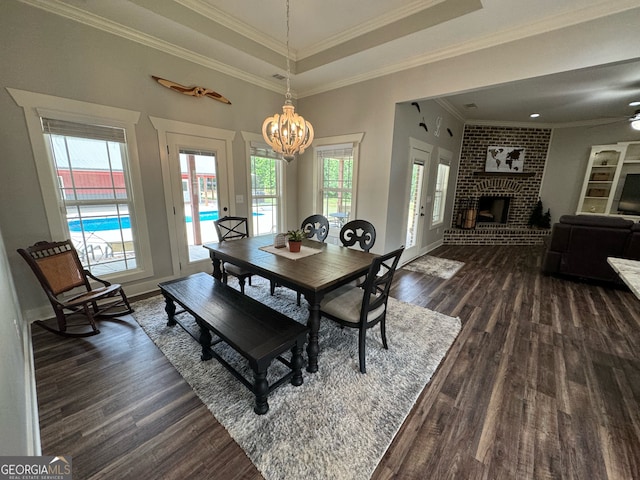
(193, 91)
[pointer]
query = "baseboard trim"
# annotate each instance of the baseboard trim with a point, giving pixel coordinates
(31, 394)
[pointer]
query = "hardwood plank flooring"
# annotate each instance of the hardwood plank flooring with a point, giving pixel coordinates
(543, 382)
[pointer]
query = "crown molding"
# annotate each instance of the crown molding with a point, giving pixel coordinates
(557, 22)
(585, 123)
(496, 123)
(218, 16)
(449, 108)
(369, 26)
(100, 23)
(569, 18)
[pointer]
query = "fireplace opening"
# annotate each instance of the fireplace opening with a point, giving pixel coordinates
(493, 209)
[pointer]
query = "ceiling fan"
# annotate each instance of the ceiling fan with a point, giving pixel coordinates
(635, 120)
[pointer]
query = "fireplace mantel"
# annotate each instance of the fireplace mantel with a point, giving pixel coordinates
(503, 174)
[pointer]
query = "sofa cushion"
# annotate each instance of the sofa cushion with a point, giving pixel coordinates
(596, 221)
(632, 250)
(588, 248)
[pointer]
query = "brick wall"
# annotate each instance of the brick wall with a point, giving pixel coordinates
(523, 189)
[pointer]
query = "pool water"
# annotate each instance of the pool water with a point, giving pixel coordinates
(100, 224)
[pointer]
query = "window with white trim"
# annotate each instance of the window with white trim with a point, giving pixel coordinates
(440, 193)
(90, 162)
(86, 158)
(336, 182)
(266, 190)
(336, 179)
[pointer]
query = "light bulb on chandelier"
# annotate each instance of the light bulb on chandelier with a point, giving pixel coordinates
(287, 133)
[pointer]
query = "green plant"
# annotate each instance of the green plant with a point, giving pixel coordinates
(295, 235)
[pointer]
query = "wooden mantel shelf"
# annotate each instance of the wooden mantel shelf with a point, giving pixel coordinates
(503, 174)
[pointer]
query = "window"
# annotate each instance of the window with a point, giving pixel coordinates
(440, 193)
(86, 158)
(266, 191)
(336, 182)
(336, 160)
(90, 163)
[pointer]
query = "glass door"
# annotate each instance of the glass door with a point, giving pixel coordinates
(416, 203)
(200, 195)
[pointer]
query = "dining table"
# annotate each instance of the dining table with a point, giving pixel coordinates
(318, 268)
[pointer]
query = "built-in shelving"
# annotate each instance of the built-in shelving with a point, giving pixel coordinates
(606, 171)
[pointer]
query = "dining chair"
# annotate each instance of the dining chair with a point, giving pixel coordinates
(67, 286)
(228, 229)
(364, 307)
(361, 232)
(313, 226)
(316, 226)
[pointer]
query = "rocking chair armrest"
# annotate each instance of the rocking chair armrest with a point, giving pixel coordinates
(93, 277)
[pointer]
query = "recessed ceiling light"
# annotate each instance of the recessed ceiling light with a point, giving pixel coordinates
(634, 104)
(534, 115)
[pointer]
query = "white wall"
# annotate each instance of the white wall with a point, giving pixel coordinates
(18, 412)
(567, 163)
(406, 125)
(45, 53)
(369, 106)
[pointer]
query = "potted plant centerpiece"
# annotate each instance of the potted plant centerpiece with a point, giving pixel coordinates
(295, 239)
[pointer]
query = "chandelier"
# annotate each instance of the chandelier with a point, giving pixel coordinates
(287, 133)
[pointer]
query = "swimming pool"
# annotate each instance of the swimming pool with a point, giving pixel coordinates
(100, 224)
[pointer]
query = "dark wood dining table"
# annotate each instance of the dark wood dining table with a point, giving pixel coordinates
(313, 276)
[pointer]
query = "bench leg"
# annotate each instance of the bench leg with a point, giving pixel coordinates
(170, 308)
(205, 341)
(261, 389)
(296, 365)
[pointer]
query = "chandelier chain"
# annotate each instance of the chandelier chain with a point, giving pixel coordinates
(288, 94)
(287, 133)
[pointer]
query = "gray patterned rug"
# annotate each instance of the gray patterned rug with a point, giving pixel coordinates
(434, 266)
(339, 423)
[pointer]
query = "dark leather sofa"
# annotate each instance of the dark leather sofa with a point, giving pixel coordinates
(580, 244)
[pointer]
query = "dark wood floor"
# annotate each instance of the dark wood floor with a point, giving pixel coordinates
(543, 382)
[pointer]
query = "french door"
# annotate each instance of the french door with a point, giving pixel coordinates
(200, 194)
(420, 157)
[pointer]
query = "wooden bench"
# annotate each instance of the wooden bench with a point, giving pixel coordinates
(254, 330)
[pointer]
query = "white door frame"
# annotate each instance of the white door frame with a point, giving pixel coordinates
(422, 152)
(168, 131)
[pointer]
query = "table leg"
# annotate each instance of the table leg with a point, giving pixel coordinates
(170, 308)
(314, 325)
(217, 267)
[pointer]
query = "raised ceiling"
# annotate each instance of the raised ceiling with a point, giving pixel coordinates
(334, 43)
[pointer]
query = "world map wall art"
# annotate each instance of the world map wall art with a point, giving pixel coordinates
(505, 159)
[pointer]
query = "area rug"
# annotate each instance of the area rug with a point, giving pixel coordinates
(339, 423)
(434, 266)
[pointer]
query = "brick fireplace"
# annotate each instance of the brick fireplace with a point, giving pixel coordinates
(515, 192)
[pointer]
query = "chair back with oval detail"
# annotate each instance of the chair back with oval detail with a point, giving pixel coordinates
(316, 226)
(361, 232)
